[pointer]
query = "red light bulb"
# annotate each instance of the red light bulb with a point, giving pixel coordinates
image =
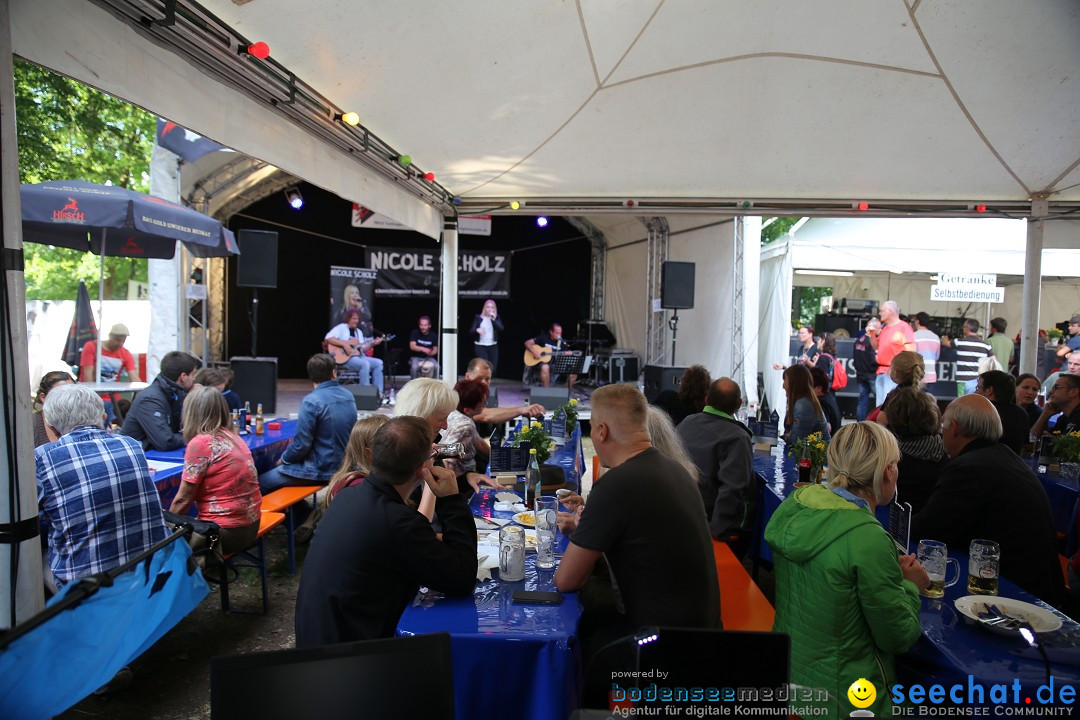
(980, 208)
(864, 205)
(260, 50)
(430, 177)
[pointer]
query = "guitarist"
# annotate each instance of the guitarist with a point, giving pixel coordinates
(546, 345)
(347, 344)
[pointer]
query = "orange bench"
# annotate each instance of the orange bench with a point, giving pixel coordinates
(283, 500)
(742, 604)
(267, 522)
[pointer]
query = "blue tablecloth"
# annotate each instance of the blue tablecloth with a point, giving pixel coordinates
(510, 660)
(265, 451)
(953, 647)
(570, 456)
(1061, 493)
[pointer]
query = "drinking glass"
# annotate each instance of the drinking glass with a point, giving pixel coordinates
(546, 525)
(933, 555)
(984, 563)
(511, 553)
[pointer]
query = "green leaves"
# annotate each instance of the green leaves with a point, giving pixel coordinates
(69, 131)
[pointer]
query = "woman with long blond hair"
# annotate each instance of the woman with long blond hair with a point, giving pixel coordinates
(356, 463)
(219, 475)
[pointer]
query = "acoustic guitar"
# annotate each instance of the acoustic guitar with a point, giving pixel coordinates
(546, 353)
(354, 347)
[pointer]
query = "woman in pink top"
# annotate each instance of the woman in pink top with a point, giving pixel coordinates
(219, 474)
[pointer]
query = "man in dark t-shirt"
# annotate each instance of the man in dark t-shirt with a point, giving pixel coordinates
(424, 345)
(647, 518)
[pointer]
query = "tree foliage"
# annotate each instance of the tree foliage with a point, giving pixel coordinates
(776, 229)
(69, 131)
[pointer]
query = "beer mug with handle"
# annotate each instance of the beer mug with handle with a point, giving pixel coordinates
(933, 555)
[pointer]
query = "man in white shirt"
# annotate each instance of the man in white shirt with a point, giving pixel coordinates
(346, 343)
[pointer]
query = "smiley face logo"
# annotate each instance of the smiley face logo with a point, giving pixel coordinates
(862, 693)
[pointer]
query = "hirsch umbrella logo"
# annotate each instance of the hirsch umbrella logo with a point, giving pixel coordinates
(70, 212)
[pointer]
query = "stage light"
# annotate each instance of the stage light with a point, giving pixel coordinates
(515, 205)
(296, 200)
(349, 118)
(430, 177)
(405, 160)
(541, 221)
(258, 50)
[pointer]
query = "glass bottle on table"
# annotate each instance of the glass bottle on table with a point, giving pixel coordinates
(245, 417)
(260, 426)
(532, 482)
(805, 464)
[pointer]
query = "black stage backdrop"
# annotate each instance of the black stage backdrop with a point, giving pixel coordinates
(547, 284)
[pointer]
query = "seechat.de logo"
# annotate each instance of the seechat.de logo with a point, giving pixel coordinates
(862, 694)
(70, 212)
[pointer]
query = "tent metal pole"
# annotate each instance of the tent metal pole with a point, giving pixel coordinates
(448, 346)
(1029, 338)
(100, 306)
(20, 558)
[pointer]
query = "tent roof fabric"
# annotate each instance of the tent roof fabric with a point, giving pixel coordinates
(932, 99)
(919, 245)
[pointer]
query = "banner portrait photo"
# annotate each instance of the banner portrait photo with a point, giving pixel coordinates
(351, 289)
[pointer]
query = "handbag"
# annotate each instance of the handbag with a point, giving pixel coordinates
(204, 537)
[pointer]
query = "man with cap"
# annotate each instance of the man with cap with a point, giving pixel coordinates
(1073, 342)
(114, 357)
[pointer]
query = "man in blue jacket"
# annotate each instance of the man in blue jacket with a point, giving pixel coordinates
(154, 416)
(326, 417)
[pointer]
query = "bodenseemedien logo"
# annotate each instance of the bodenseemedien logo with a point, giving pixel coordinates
(862, 694)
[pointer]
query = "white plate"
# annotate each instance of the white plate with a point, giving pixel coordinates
(1040, 620)
(525, 518)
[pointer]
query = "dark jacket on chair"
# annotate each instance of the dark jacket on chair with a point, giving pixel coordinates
(988, 492)
(723, 452)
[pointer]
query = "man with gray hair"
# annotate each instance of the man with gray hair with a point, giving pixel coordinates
(94, 489)
(894, 337)
(986, 491)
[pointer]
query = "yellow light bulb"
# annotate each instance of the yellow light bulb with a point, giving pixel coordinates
(515, 205)
(350, 118)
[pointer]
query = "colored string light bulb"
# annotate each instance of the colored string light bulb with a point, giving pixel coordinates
(260, 50)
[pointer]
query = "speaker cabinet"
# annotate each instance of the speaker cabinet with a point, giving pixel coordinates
(618, 368)
(257, 263)
(549, 397)
(366, 396)
(677, 285)
(660, 378)
(256, 381)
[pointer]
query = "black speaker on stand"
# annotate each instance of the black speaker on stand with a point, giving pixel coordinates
(256, 268)
(256, 381)
(676, 293)
(659, 378)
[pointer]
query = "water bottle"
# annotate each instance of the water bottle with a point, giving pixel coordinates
(532, 481)
(393, 397)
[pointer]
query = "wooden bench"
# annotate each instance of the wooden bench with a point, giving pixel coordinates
(245, 558)
(283, 500)
(742, 604)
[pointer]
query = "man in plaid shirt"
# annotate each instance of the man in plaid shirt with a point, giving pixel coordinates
(94, 489)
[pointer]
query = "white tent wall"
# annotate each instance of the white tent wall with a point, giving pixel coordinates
(774, 325)
(85, 42)
(705, 331)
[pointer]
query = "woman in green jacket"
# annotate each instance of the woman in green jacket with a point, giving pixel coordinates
(846, 599)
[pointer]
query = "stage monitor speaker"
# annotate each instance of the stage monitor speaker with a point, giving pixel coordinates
(677, 285)
(256, 381)
(366, 396)
(549, 397)
(660, 378)
(257, 263)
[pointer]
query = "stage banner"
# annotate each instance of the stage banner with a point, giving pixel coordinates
(352, 289)
(414, 272)
(368, 218)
